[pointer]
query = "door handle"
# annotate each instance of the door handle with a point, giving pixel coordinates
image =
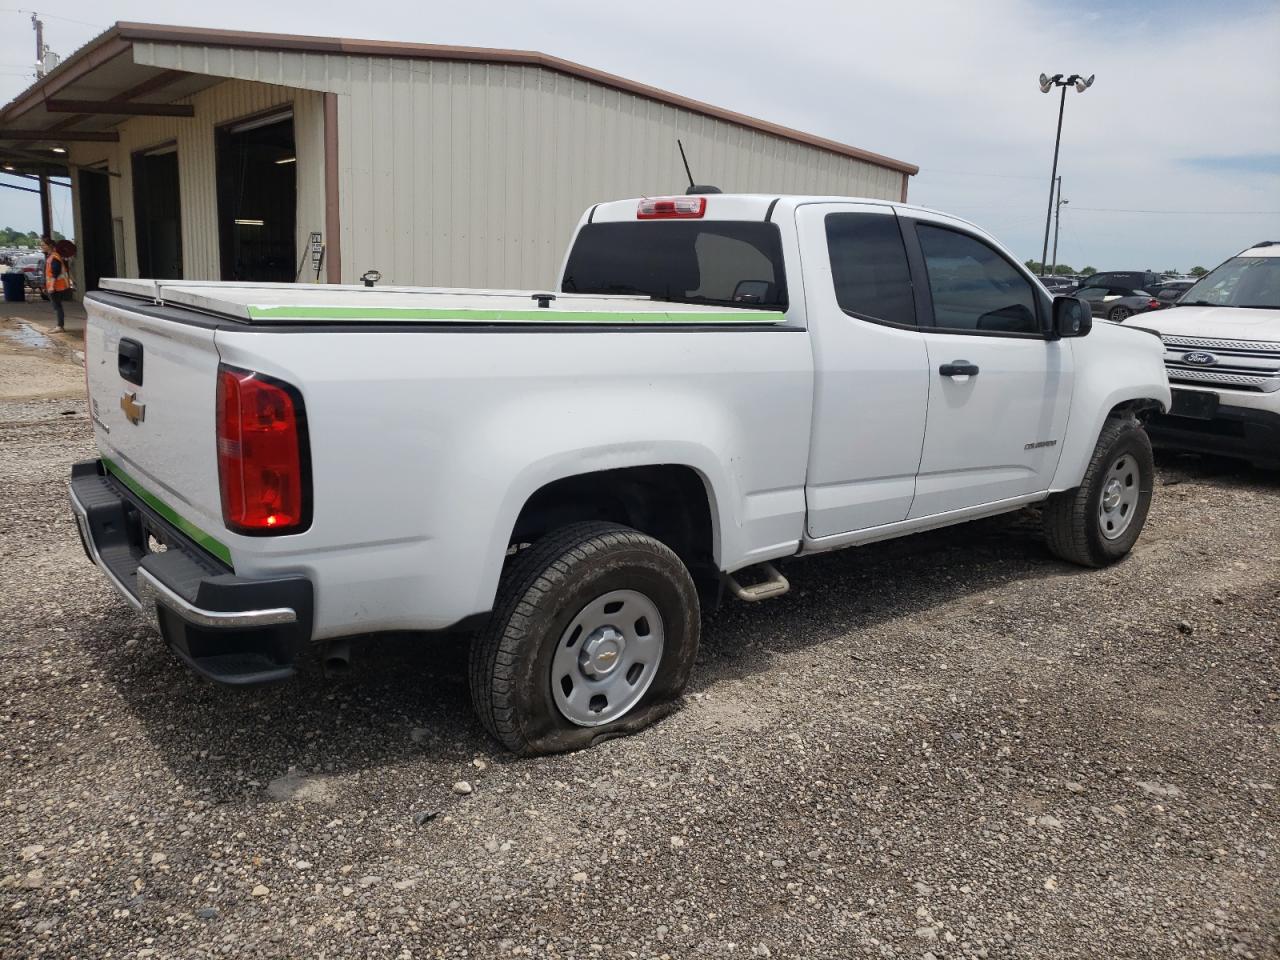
(959, 368)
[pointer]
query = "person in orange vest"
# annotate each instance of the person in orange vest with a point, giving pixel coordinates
(57, 278)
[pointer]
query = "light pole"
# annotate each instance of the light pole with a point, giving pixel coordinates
(1047, 83)
(1057, 224)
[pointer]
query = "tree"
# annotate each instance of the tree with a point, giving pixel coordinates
(1035, 266)
(1088, 271)
(1198, 271)
(1061, 269)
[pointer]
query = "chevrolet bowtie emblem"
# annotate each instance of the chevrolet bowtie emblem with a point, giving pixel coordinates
(135, 411)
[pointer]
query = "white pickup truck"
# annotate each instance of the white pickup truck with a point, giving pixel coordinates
(1222, 348)
(720, 381)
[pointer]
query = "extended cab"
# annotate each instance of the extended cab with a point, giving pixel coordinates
(719, 382)
(1222, 349)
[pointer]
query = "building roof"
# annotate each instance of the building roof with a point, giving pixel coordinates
(76, 100)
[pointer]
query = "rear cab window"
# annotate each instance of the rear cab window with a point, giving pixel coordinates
(869, 268)
(731, 263)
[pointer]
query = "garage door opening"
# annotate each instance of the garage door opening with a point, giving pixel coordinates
(258, 199)
(97, 236)
(157, 213)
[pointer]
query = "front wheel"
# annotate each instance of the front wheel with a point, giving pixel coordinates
(593, 635)
(1119, 314)
(1099, 521)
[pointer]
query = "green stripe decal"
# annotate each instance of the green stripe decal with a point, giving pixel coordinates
(215, 547)
(467, 315)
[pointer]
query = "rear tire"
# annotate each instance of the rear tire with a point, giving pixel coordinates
(1119, 314)
(552, 671)
(1099, 521)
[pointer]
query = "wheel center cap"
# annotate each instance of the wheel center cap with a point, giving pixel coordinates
(602, 652)
(1111, 495)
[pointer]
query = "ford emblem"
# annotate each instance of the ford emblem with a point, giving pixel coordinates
(1200, 358)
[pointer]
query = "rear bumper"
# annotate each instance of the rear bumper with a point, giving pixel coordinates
(1250, 434)
(230, 629)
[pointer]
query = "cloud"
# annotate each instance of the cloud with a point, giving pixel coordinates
(948, 86)
(1267, 163)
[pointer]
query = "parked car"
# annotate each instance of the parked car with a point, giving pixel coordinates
(1222, 350)
(32, 266)
(1171, 290)
(720, 381)
(1116, 304)
(1126, 279)
(1058, 284)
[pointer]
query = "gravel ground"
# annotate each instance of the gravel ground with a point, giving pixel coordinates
(948, 746)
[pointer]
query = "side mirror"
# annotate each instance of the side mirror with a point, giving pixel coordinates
(1071, 317)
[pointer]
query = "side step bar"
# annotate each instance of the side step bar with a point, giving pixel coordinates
(774, 584)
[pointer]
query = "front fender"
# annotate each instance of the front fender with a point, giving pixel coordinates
(1114, 365)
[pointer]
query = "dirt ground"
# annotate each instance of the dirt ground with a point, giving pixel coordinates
(948, 746)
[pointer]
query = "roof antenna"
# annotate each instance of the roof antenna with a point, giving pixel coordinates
(693, 187)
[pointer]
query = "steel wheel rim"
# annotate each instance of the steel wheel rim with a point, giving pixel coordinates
(1121, 490)
(606, 658)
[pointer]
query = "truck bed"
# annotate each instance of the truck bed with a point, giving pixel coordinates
(267, 304)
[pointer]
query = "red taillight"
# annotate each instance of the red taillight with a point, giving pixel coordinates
(671, 208)
(262, 469)
(1154, 304)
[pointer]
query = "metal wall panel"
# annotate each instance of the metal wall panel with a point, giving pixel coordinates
(218, 105)
(473, 174)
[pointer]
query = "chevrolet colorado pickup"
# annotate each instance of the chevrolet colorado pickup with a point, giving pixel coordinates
(719, 382)
(1222, 349)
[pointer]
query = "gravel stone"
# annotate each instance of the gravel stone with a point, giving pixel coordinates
(811, 771)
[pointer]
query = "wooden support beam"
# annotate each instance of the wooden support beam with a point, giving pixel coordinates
(72, 136)
(120, 108)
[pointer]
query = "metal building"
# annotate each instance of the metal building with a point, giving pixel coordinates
(215, 154)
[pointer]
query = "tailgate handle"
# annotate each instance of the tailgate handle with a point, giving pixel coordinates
(130, 361)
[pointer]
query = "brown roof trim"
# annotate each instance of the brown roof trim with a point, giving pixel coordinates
(147, 32)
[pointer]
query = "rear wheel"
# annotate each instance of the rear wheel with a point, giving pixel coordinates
(1099, 521)
(594, 635)
(1119, 314)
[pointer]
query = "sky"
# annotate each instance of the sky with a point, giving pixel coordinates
(1171, 160)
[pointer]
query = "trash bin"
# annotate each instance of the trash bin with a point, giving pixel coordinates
(15, 286)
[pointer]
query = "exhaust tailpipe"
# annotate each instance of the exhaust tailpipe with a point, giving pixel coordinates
(337, 658)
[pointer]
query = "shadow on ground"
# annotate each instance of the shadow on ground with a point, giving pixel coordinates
(407, 698)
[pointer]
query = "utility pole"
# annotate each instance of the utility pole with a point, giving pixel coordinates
(1057, 223)
(39, 28)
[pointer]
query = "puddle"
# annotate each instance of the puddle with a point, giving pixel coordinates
(26, 336)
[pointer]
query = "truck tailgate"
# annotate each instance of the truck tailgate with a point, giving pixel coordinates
(152, 393)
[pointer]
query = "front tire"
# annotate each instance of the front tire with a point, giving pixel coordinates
(1099, 521)
(594, 635)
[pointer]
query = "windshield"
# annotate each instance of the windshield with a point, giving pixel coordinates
(728, 262)
(1240, 282)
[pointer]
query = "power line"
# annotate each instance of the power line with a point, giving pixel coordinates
(54, 16)
(970, 173)
(1206, 213)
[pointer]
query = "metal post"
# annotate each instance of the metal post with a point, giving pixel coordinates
(46, 218)
(1053, 177)
(1057, 222)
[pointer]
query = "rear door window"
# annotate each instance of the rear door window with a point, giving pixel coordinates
(869, 267)
(727, 262)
